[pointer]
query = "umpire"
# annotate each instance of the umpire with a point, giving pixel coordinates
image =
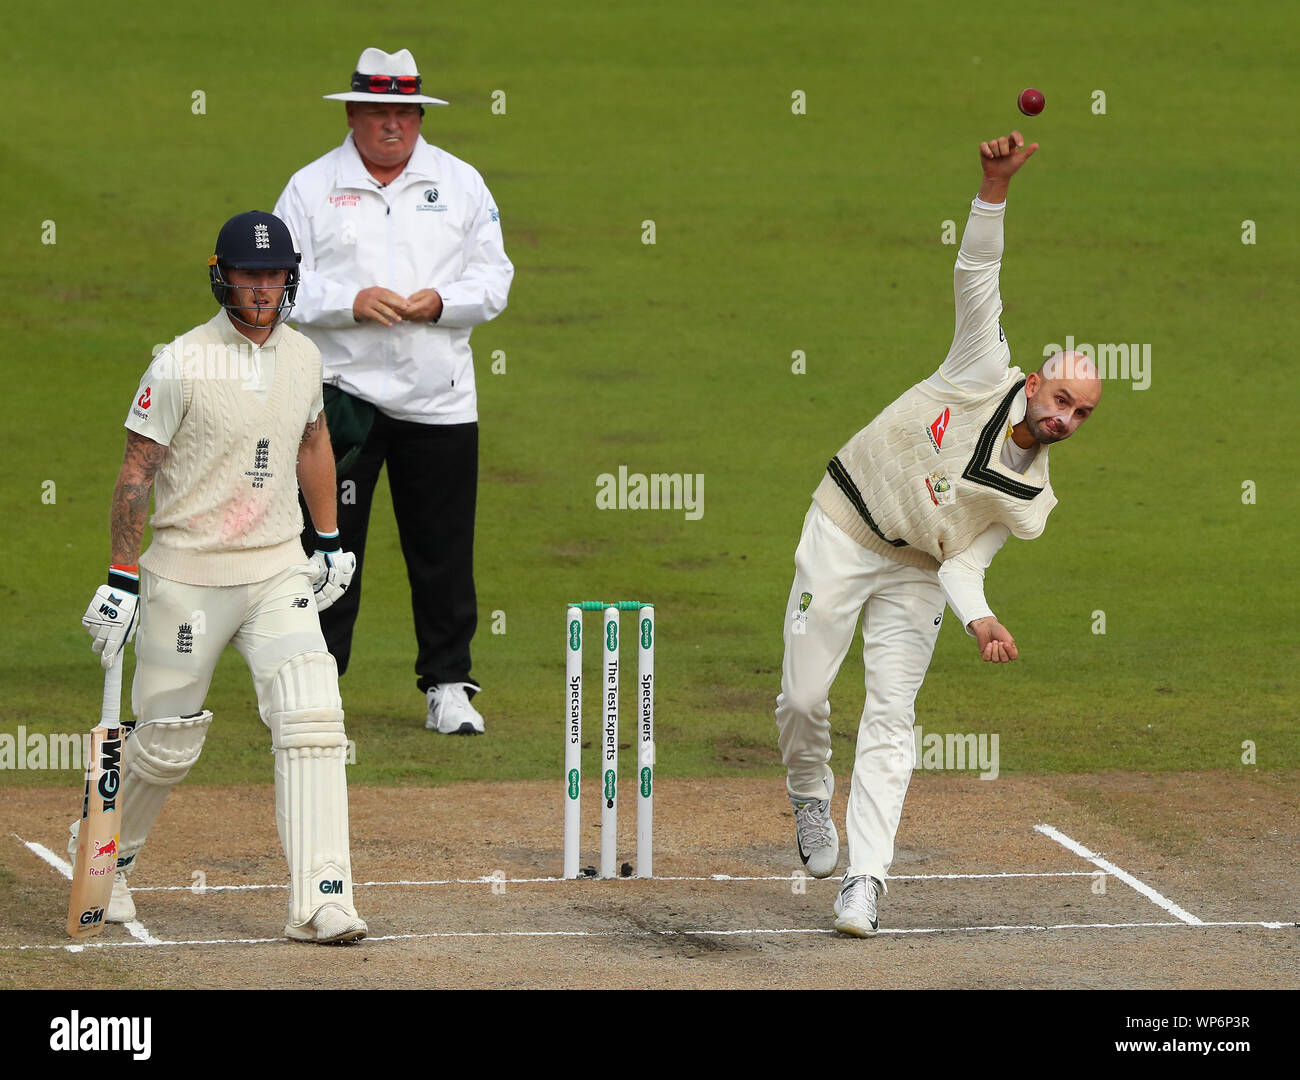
(402, 257)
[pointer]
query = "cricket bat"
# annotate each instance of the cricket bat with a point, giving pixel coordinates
(96, 862)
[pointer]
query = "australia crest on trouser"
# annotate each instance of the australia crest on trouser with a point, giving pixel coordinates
(940, 488)
(800, 618)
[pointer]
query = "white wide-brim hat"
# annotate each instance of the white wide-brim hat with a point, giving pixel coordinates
(385, 72)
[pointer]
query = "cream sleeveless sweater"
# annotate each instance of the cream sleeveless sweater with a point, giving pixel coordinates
(226, 496)
(923, 480)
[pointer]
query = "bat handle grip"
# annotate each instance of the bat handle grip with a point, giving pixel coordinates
(112, 707)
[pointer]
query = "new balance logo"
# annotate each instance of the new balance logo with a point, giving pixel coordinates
(298, 601)
(937, 429)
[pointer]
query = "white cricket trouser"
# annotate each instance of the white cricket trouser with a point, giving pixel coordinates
(184, 629)
(903, 611)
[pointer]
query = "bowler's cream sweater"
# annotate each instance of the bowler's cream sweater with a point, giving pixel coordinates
(892, 489)
(931, 472)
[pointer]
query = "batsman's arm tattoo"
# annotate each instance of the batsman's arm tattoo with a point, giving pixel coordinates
(314, 428)
(140, 463)
(316, 478)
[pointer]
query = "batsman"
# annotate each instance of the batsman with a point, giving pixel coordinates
(909, 515)
(225, 428)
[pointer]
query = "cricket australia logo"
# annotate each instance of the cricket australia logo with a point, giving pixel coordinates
(185, 638)
(260, 471)
(936, 430)
(940, 489)
(799, 619)
(262, 237)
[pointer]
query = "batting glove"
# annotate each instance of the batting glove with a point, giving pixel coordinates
(331, 570)
(110, 618)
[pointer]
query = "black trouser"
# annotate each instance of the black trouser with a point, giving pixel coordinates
(433, 477)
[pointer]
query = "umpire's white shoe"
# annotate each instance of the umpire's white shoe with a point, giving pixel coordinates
(330, 925)
(815, 832)
(857, 908)
(450, 712)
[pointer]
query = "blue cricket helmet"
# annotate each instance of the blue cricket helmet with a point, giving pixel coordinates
(254, 240)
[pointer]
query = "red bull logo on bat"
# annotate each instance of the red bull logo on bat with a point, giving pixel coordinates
(105, 849)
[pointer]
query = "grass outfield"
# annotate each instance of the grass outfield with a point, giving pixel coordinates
(775, 233)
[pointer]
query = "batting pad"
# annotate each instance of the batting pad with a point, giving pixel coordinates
(311, 793)
(156, 756)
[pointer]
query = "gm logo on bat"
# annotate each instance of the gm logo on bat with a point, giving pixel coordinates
(111, 772)
(91, 917)
(331, 887)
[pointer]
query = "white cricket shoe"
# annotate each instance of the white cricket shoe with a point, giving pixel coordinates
(121, 908)
(815, 832)
(450, 712)
(857, 908)
(330, 925)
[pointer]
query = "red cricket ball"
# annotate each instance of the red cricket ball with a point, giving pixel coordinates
(1031, 101)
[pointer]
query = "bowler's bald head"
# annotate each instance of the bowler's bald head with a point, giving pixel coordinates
(1069, 366)
(1062, 394)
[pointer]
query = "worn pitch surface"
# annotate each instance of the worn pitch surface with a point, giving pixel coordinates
(725, 909)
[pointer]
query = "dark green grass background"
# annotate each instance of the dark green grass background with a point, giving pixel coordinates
(775, 232)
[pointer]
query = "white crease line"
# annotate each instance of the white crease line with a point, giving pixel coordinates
(658, 934)
(489, 880)
(136, 929)
(42, 852)
(1128, 879)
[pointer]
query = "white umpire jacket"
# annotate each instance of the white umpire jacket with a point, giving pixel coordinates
(434, 227)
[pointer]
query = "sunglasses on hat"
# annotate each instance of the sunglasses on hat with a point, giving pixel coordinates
(384, 84)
